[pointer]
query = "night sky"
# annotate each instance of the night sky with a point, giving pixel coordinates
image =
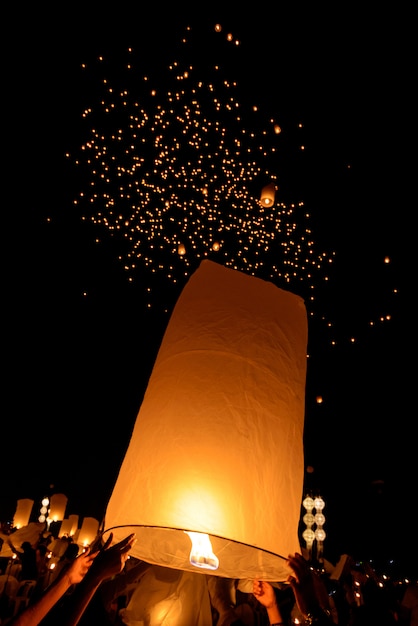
(92, 263)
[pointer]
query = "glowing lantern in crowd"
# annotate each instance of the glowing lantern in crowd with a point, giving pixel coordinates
(88, 531)
(268, 194)
(22, 513)
(65, 528)
(217, 448)
(74, 524)
(57, 506)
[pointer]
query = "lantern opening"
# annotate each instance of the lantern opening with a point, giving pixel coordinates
(201, 554)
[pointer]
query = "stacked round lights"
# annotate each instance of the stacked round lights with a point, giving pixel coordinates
(314, 521)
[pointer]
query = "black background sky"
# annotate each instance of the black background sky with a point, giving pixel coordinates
(75, 369)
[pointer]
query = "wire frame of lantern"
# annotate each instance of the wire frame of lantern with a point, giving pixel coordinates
(22, 513)
(218, 435)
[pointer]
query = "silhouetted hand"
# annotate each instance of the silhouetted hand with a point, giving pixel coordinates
(264, 593)
(308, 587)
(78, 568)
(111, 560)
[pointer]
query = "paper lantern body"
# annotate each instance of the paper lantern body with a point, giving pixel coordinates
(65, 528)
(88, 531)
(217, 446)
(268, 194)
(57, 507)
(74, 524)
(22, 513)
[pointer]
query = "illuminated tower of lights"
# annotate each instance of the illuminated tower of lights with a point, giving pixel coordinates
(314, 534)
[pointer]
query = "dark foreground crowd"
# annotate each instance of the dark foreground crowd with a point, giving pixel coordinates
(104, 586)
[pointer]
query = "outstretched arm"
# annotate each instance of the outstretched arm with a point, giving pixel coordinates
(74, 574)
(13, 548)
(309, 591)
(264, 592)
(108, 563)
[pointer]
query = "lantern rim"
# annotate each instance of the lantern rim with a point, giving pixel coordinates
(261, 564)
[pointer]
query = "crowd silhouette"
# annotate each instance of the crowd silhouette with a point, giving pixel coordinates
(103, 585)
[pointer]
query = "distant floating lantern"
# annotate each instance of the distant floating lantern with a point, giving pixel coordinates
(216, 452)
(57, 507)
(216, 246)
(181, 249)
(267, 195)
(22, 513)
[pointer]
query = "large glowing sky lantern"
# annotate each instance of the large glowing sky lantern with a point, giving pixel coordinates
(212, 478)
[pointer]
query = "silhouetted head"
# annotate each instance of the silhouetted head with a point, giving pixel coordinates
(71, 551)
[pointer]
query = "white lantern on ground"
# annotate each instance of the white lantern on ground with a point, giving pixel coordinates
(217, 447)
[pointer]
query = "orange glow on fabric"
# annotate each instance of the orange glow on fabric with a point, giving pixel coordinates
(217, 446)
(268, 194)
(23, 512)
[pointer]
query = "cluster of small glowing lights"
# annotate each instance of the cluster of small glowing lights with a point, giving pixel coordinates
(175, 167)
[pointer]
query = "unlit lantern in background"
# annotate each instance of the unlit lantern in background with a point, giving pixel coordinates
(217, 447)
